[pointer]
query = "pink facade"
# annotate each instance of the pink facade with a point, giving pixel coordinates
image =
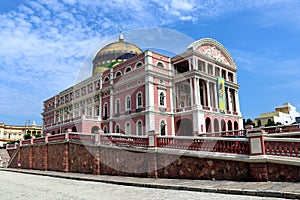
(148, 91)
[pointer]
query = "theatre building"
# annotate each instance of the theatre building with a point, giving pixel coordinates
(132, 92)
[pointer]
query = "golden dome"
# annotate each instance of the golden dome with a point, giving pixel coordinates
(113, 54)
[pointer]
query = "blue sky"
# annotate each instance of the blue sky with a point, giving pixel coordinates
(45, 43)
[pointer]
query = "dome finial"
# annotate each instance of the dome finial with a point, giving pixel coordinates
(121, 36)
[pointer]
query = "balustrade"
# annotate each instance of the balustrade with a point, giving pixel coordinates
(282, 147)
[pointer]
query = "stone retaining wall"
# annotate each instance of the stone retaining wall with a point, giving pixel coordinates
(96, 159)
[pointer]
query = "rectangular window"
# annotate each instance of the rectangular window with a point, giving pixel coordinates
(201, 65)
(210, 69)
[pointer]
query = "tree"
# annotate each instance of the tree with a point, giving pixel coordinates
(249, 122)
(27, 136)
(270, 123)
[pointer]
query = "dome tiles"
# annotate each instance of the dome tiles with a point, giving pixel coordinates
(114, 54)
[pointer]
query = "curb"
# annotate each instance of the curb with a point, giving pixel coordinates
(246, 192)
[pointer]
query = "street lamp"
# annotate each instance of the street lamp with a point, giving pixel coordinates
(27, 122)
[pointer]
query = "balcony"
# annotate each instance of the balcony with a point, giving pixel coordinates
(138, 110)
(128, 112)
(105, 117)
(162, 109)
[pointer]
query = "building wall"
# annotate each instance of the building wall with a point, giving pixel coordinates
(15, 132)
(285, 114)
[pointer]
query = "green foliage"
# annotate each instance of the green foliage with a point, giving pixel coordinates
(249, 122)
(13, 142)
(27, 136)
(270, 123)
(38, 135)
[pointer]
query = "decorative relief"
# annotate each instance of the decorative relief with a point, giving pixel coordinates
(214, 53)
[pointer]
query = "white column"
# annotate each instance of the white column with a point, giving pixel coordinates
(216, 96)
(237, 101)
(148, 60)
(229, 99)
(226, 75)
(192, 93)
(150, 115)
(197, 91)
(195, 64)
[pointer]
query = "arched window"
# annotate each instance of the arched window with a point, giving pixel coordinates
(160, 64)
(127, 128)
(105, 129)
(117, 129)
(162, 99)
(95, 129)
(139, 64)
(128, 103)
(128, 69)
(163, 128)
(106, 79)
(117, 107)
(139, 127)
(97, 110)
(118, 74)
(105, 111)
(139, 102)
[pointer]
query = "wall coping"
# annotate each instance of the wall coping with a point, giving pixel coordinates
(271, 139)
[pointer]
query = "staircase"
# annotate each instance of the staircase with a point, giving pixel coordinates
(5, 157)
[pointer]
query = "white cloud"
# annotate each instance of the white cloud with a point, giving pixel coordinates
(44, 43)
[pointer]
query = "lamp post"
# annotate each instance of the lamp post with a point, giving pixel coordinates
(27, 122)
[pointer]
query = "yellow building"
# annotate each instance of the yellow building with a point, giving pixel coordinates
(284, 114)
(16, 132)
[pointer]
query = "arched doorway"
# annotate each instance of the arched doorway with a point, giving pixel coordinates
(208, 125)
(95, 129)
(258, 123)
(229, 125)
(216, 126)
(184, 127)
(223, 125)
(236, 126)
(74, 129)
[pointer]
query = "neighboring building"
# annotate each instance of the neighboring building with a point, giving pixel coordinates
(285, 114)
(298, 120)
(133, 92)
(16, 132)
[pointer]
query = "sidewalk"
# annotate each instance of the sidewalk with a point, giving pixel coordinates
(266, 189)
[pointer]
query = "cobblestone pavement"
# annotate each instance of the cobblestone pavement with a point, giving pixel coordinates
(57, 185)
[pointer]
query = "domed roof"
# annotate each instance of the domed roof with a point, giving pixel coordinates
(113, 54)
